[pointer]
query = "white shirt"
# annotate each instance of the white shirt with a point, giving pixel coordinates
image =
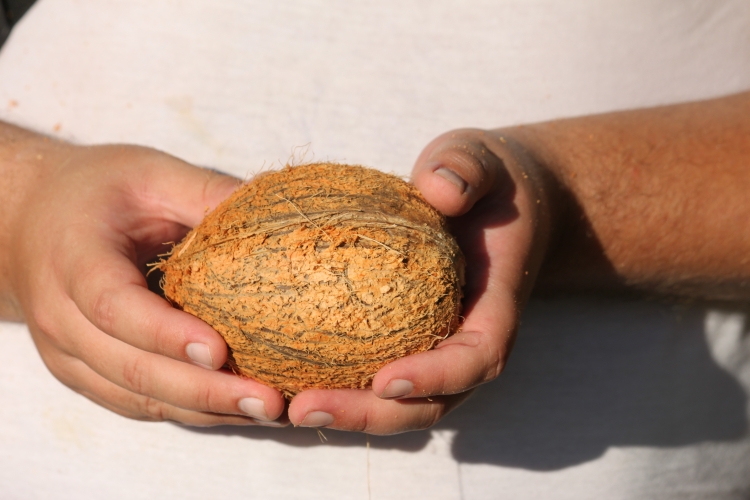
(602, 398)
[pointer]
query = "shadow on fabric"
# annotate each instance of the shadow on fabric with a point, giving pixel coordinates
(588, 375)
(585, 375)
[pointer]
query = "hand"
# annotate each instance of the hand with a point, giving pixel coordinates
(90, 220)
(499, 200)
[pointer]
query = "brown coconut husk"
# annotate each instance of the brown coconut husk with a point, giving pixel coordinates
(318, 275)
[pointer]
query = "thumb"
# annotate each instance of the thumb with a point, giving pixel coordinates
(185, 193)
(457, 169)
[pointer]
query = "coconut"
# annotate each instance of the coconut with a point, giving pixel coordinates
(318, 275)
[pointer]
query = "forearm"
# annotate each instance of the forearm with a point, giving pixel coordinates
(658, 199)
(24, 156)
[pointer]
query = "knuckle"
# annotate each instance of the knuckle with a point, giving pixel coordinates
(208, 183)
(54, 344)
(214, 182)
(495, 363)
(133, 416)
(430, 416)
(62, 371)
(153, 409)
(135, 375)
(207, 399)
(366, 424)
(45, 323)
(443, 385)
(103, 309)
(128, 410)
(162, 337)
(367, 421)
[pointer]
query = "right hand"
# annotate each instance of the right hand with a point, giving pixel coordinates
(79, 240)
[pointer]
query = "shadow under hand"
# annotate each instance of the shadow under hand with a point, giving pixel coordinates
(303, 437)
(588, 374)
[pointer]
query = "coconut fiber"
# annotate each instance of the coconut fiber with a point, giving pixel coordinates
(318, 275)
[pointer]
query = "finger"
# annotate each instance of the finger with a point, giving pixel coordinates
(112, 294)
(76, 375)
(170, 381)
(494, 292)
(473, 356)
(181, 192)
(159, 412)
(137, 407)
(454, 172)
(363, 411)
(457, 169)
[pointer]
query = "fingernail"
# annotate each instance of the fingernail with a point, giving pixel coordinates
(317, 419)
(453, 178)
(200, 354)
(253, 407)
(397, 388)
(270, 423)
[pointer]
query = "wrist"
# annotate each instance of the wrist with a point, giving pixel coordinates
(575, 260)
(25, 161)
(539, 193)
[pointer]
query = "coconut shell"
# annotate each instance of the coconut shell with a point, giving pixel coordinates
(318, 275)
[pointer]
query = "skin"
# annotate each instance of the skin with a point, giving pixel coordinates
(79, 227)
(644, 201)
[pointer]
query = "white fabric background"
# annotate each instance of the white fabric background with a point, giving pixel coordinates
(601, 399)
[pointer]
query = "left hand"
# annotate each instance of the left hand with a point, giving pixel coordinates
(497, 198)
